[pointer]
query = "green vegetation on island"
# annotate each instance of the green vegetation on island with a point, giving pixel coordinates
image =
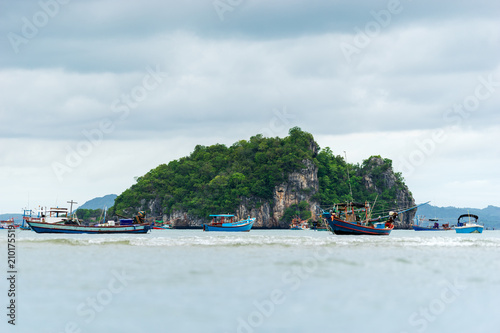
(214, 179)
(370, 181)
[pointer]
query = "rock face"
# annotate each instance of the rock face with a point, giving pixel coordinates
(388, 178)
(301, 186)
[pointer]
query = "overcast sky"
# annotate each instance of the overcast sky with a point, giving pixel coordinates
(95, 93)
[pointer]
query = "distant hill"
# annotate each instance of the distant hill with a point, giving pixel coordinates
(490, 215)
(100, 203)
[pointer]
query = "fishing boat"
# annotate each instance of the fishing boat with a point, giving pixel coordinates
(467, 226)
(422, 224)
(160, 225)
(319, 226)
(68, 224)
(27, 213)
(220, 223)
(346, 219)
(8, 224)
(297, 224)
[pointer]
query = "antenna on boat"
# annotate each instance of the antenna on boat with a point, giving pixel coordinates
(373, 207)
(348, 176)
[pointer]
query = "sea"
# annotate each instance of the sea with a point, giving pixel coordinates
(260, 281)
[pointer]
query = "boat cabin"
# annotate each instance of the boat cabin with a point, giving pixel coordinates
(221, 219)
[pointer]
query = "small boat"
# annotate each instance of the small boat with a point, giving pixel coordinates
(160, 225)
(67, 224)
(345, 219)
(8, 224)
(156, 227)
(297, 224)
(422, 224)
(319, 226)
(468, 227)
(220, 223)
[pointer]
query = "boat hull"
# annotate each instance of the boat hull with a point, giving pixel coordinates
(41, 227)
(478, 229)
(245, 225)
(340, 227)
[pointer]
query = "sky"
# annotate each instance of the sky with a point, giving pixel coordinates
(96, 93)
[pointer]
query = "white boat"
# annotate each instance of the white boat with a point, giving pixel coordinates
(469, 227)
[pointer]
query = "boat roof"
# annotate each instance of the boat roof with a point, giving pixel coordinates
(469, 215)
(57, 209)
(224, 215)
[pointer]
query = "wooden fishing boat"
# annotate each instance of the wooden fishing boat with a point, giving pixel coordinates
(356, 219)
(220, 223)
(468, 227)
(345, 219)
(72, 225)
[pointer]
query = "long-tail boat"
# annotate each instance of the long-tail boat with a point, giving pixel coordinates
(220, 223)
(355, 218)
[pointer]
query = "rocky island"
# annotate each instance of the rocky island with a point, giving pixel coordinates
(271, 179)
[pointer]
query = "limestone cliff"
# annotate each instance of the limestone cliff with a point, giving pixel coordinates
(302, 185)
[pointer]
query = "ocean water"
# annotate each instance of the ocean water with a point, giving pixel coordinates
(261, 281)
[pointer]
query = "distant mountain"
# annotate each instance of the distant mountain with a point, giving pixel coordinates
(100, 203)
(490, 215)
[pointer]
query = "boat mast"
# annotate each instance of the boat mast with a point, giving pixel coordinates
(348, 176)
(71, 207)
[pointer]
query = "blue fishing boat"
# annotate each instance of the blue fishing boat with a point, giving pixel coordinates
(26, 214)
(468, 227)
(422, 224)
(220, 223)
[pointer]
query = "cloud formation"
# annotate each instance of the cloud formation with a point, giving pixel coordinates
(165, 76)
